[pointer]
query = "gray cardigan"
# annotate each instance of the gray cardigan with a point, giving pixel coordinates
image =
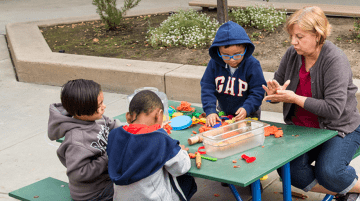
(333, 92)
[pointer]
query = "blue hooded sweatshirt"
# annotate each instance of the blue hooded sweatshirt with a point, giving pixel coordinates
(244, 87)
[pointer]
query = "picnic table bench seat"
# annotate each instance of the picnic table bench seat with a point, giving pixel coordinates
(43, 190)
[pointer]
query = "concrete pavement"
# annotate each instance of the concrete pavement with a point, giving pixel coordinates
(26, 154)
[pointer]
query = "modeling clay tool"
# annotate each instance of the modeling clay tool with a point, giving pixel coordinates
(195, 139)
(208, 158)
(248, 159)
(198, 160)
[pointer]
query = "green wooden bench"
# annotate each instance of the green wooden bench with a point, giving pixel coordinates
(43, 190)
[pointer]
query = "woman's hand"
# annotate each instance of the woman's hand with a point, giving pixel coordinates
(273, 86)
(240, 114)
(211, 119)
(285, 96)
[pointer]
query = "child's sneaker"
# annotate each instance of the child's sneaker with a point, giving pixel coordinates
(339, 197)
(352, 197)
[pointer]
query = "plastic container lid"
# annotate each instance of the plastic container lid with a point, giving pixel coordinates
(180, 122)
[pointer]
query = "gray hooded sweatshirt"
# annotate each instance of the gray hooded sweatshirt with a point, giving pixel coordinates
(83, 152)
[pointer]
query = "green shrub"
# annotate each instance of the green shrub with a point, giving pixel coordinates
(185, 28)
(258, 17)
(109, 14)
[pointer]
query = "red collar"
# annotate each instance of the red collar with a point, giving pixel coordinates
(141, 128)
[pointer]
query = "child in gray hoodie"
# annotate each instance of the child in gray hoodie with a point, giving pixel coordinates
(79, 117)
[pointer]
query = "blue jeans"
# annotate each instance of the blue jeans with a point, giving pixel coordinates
(331, 169)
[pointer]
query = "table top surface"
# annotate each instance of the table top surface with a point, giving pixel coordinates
(275, 152)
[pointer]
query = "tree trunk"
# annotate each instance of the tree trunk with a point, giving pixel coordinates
(222, 11)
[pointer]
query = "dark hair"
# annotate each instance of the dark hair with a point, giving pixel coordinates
(226, 46)
(145, 101)
(80, 97)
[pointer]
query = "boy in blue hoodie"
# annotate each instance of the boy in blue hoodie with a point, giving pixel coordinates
(145, 163)
(233, 76)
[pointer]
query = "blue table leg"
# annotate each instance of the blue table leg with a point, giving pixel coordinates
(235, 192)
(256, 191)
(286, 177)
(328, 197)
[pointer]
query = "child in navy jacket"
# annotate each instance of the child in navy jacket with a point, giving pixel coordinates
(145, 163)
(233, 76)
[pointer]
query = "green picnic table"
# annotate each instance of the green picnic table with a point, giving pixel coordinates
(276, 153)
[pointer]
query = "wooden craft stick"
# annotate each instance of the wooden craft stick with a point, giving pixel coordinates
(298, 195)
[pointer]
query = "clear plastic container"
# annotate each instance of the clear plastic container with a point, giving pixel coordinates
(161, 95)
(234, 138)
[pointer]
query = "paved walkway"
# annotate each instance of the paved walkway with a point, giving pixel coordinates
(34, 10)
(26, 154)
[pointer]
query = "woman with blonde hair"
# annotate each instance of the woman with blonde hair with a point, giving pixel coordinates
(314, 81)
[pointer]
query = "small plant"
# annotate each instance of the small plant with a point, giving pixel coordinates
(259, 17)
(109, 14)
(285, 43)
(338, 38)
(185, 28)
(357, 28)
(97, 30)
(255, 34)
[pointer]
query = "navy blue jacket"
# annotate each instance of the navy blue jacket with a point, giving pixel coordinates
(134, 157)
(217, 82)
